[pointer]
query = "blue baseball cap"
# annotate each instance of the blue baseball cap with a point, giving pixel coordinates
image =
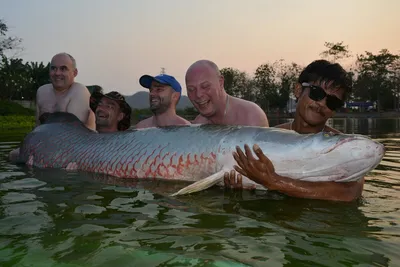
(146, 80)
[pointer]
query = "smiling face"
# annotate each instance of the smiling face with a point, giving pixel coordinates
(62, 72)
(162, 97)
(205, 89)
(322, 87)
(108, 114)
(314, 112)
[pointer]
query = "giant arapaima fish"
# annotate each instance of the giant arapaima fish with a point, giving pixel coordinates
(198, 153)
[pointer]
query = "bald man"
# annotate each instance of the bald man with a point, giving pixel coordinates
(62, 94)
(205, 89)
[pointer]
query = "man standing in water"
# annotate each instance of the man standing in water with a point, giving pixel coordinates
(165, 92)
(62, 94)
(113, 114)
(321, 89)
(205, 88)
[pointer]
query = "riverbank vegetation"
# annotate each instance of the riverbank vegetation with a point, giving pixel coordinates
(15, 116)
(16, 122)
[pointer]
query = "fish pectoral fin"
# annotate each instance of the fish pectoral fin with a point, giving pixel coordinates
(202, 184)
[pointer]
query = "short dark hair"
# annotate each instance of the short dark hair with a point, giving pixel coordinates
(325, 71)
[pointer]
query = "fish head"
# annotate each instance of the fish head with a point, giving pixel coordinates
(329, 157)
(351, 156)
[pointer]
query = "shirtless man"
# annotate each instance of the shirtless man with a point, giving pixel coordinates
(113, 114)
(205, 87)
(165, 92)
(321, 89)
(63, 94)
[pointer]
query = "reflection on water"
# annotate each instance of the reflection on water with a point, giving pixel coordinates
(59, 218)
(370, 126)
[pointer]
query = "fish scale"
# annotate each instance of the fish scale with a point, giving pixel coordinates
(128, 154)
(198, 153)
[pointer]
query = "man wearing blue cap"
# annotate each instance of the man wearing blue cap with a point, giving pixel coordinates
(165, 92)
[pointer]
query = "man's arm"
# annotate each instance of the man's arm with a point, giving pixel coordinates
(79, 102)
(38, 92)
(346, 191)
(37, 122)
(262, 172)
(256, 116)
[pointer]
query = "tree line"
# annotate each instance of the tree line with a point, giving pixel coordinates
(375, 76)
(20, 80)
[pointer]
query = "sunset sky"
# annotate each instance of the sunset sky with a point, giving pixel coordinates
(115, 42)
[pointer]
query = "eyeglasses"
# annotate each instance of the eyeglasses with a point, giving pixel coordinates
(317, 94)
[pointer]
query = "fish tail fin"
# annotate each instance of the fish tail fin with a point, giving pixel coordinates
(202, 184)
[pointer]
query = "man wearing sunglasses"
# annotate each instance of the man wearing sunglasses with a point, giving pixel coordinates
(321, 89)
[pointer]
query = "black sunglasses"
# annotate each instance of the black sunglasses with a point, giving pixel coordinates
(317, 94)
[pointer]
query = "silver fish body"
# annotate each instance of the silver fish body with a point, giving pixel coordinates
(195, 152)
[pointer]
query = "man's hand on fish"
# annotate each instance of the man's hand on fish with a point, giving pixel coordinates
(262, 171)
(259, 170)
(233, 181)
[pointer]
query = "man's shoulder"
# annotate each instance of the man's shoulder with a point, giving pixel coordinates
(199, 120)
(250, 109)
(183, 120)
(45, 88)
(78, 87)
(247, 104)
(144, 123)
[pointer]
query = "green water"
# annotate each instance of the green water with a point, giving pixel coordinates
(59, 218)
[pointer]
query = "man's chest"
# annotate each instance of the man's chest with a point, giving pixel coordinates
(50, 102)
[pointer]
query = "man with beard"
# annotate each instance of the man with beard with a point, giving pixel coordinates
(165, 92)
(321, 89)
(113, 114)
(205, 87)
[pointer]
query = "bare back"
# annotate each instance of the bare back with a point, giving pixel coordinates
(75, 100)
(240, 112)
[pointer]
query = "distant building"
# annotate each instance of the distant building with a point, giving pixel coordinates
(361, 105)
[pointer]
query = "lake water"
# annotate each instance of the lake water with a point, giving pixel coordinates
(59, 218)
